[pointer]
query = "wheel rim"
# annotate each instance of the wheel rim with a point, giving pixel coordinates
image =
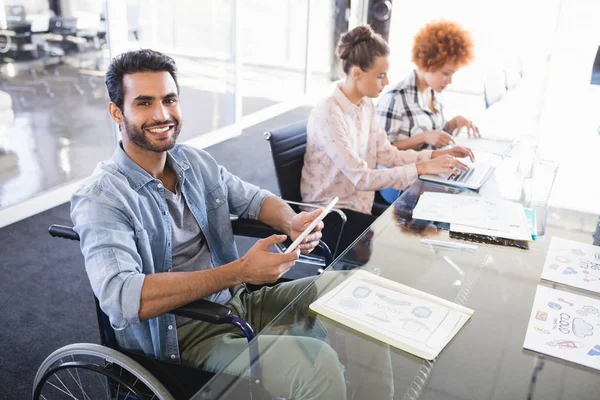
(87, 380)
(89, 371)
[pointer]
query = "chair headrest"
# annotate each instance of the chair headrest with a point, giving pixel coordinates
(288, 145)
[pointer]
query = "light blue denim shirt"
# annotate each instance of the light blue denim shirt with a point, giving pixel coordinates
(122, 218)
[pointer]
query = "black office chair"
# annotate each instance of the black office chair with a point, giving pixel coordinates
(288, 145)
(111, 372)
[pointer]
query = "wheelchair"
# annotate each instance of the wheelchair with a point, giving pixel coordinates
(90, 371)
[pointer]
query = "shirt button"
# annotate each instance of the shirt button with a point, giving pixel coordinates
(218, 201)
(168, 244)
(159, 186)
(173, 356)
(170, 327)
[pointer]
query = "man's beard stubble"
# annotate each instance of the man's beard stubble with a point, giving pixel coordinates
(138, 136)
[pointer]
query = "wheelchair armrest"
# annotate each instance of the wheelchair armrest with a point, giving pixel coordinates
(61, 231)
(251, 228)
(204, 310)
(339, 212)
(256, 229)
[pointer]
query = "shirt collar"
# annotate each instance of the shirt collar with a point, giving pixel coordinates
(343, 101)
(139, 177)
(412, 82)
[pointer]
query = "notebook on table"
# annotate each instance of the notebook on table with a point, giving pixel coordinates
(409, 319)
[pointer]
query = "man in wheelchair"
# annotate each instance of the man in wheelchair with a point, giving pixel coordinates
(155, 231)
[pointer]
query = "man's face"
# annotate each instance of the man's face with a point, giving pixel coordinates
(151, 112)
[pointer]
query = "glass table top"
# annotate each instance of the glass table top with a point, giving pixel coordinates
(486, 359)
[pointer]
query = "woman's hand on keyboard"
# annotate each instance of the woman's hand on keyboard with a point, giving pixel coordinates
(442, 164)
(455, 151)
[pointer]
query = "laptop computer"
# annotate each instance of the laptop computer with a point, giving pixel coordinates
(474, 178)
(499, 147)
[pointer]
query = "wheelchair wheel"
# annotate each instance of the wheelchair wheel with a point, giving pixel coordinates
(89, 371)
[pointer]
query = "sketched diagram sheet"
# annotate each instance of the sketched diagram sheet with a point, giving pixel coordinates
(566, 326)
(573, 263)
(403, 317)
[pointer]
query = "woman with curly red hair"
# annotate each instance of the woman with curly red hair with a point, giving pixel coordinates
(411, 113)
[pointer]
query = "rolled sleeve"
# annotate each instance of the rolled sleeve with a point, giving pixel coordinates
(245, 199)
(132, 294)
(112, 262)
(395, 136)
(257, 202)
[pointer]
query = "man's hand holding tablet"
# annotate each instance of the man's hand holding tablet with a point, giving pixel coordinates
(303, 241)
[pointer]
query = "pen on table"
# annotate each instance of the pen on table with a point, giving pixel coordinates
(440, 244)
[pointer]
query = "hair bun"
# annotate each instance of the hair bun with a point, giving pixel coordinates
(351, 39)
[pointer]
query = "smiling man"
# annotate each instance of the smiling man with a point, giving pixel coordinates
(154, 223)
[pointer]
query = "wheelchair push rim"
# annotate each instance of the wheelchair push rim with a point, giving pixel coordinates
(73, 363)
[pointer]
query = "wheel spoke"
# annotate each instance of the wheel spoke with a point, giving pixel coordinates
(57, 388)
(119, 383)
(78, 382)
(105, 386)
(129, 392)
(65, 386)
(78, 378)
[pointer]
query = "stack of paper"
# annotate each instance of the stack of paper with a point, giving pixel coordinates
(566, 326)
(573, 263)
(563, 324)
(475, 215)
(403, 317)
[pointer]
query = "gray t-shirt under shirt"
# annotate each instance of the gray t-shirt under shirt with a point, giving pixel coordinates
(190, 250)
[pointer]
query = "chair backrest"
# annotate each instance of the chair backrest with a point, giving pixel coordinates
(288, 146)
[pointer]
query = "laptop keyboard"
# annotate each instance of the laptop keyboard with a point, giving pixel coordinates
(463, 176)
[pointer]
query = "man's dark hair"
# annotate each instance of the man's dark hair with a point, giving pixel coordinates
(132, 62)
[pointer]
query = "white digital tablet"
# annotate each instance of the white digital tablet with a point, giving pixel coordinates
(312, 226)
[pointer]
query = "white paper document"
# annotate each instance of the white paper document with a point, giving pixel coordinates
(565, 326)
(573, 263)
(477, 212)
(498, 147)
(518, 228)
(403, 317)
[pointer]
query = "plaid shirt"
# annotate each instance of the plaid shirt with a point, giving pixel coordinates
(402, 112)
